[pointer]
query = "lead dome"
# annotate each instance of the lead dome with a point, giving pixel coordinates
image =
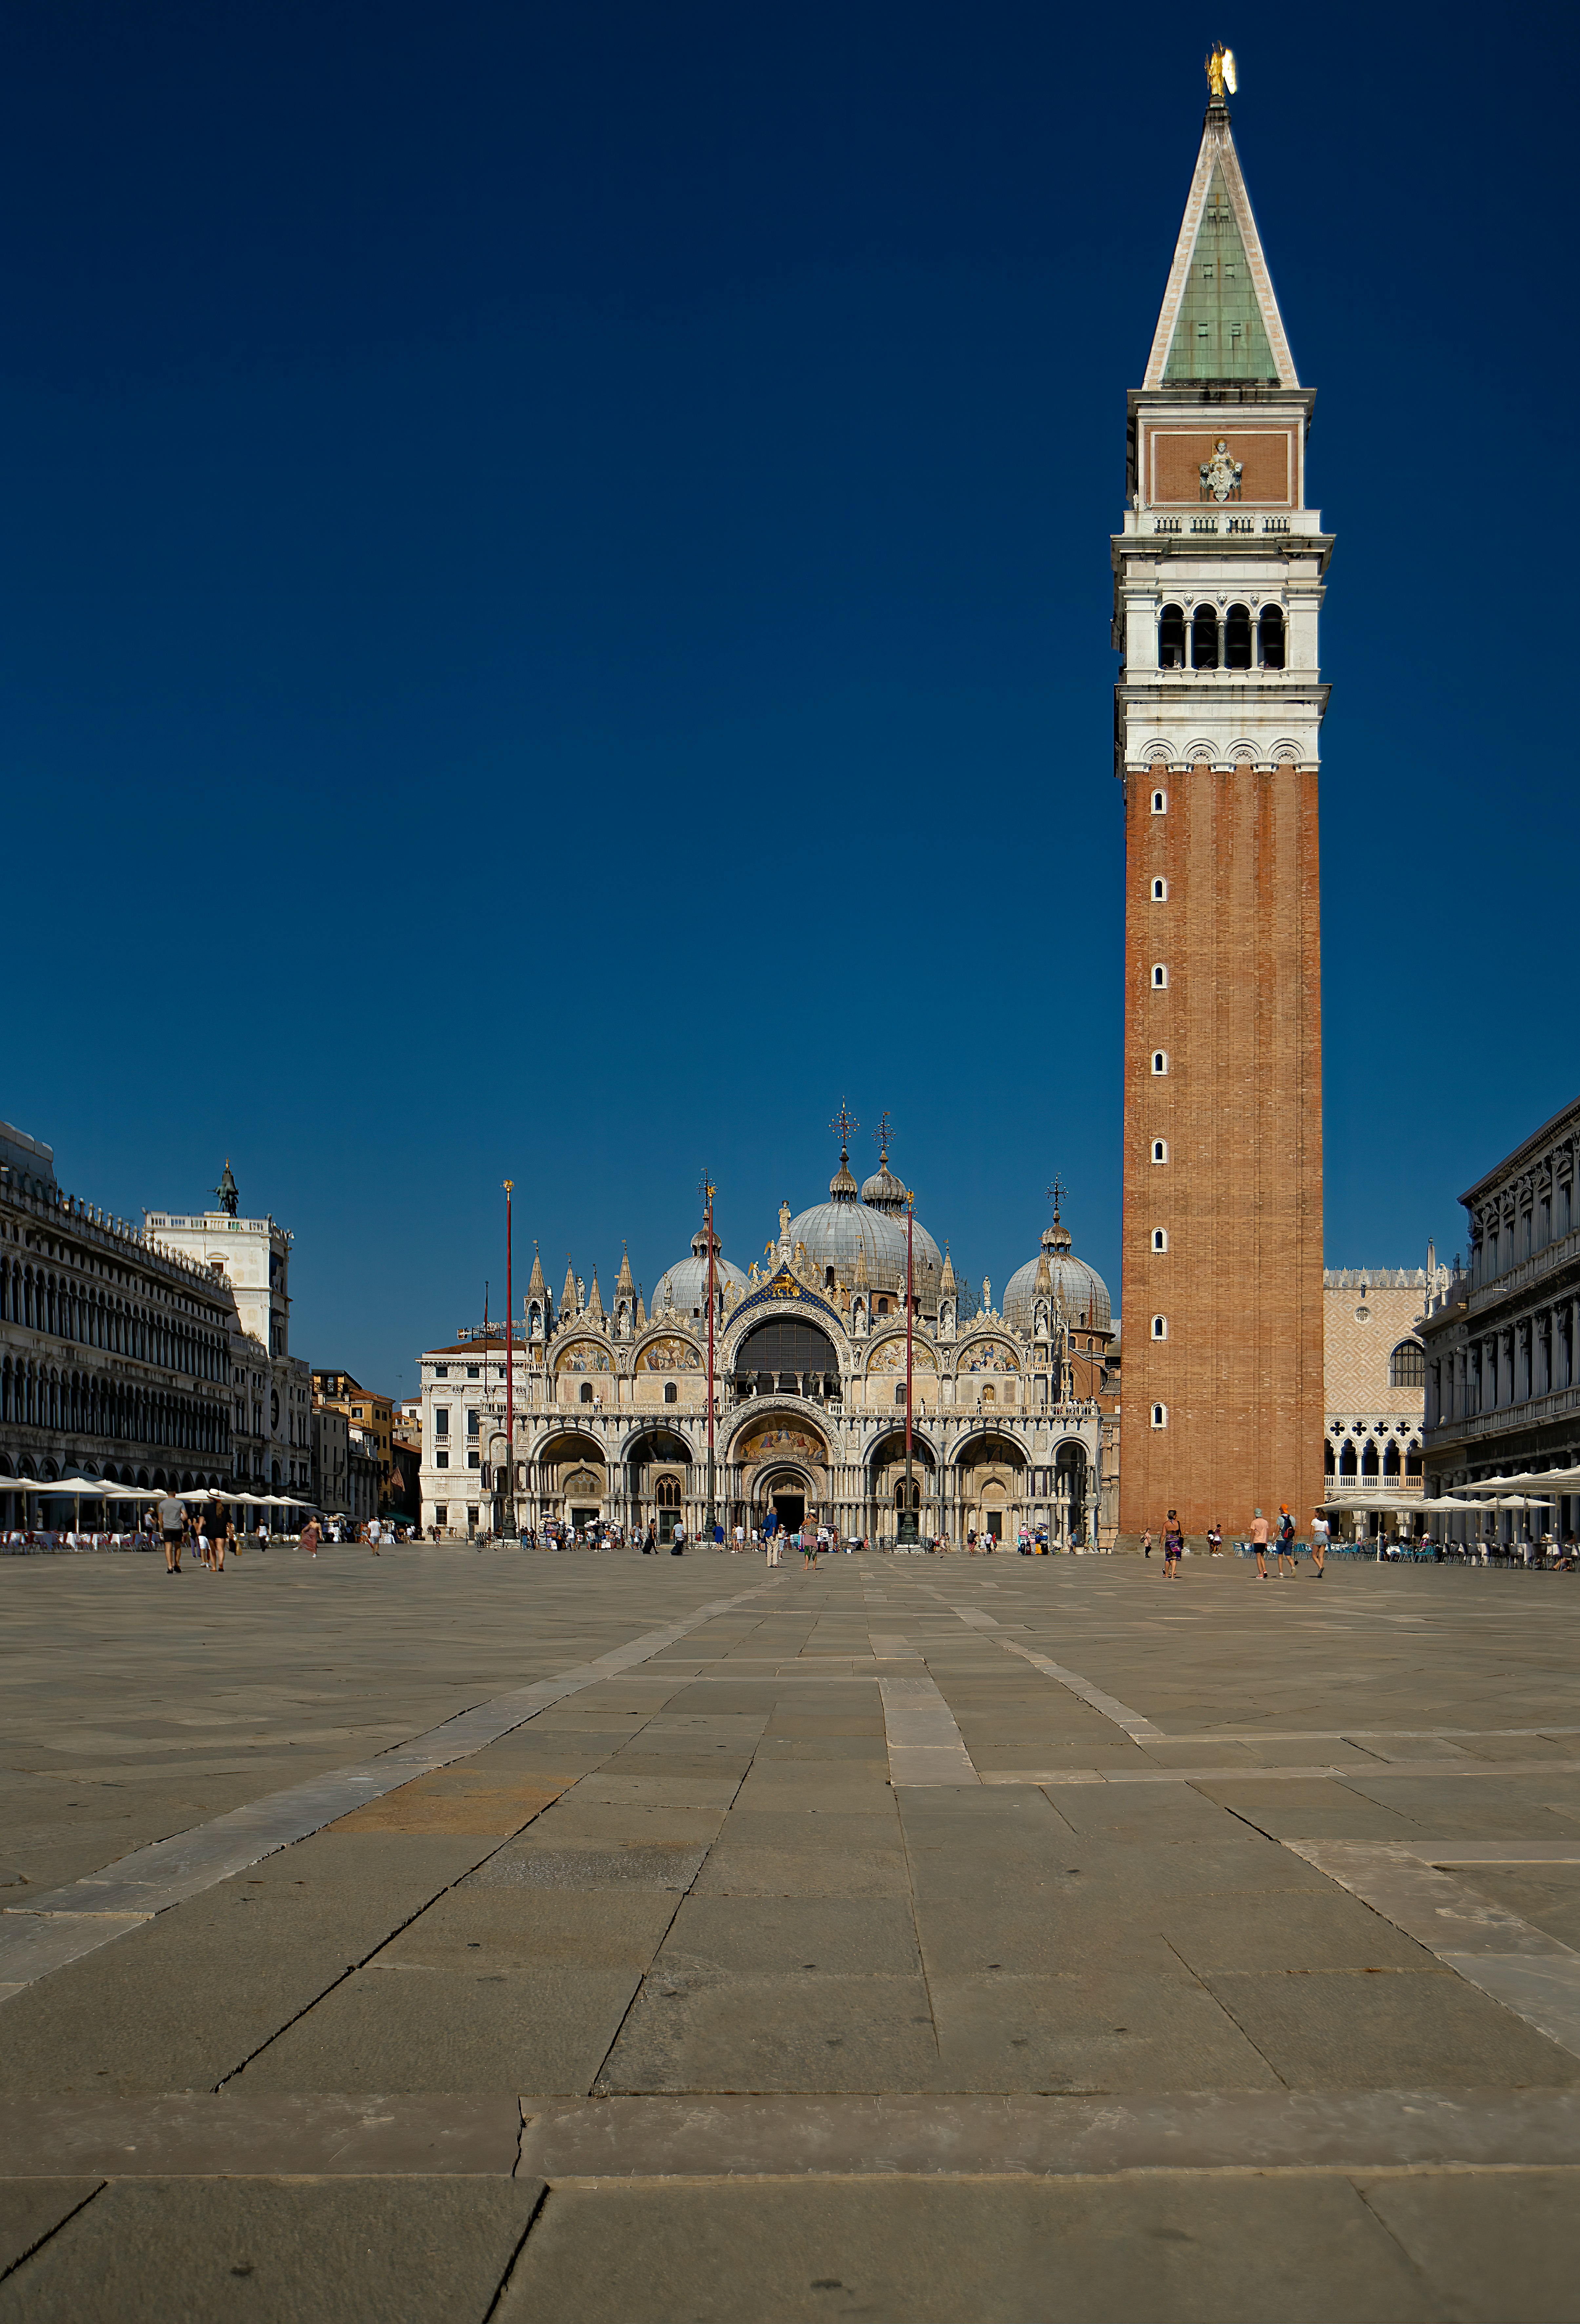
(686, 1282)
(1077, 1288)
(847, 1227)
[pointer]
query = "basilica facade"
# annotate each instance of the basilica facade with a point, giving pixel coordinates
(610, 1407)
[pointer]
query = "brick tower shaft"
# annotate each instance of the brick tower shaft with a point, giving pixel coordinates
(1218, 585)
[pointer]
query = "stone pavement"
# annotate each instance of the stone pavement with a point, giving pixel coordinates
(461, 1936)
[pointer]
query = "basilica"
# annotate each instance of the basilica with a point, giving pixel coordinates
(1013, 1411)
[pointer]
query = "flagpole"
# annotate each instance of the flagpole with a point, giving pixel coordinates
(509, 1505)
(708, 1220)
(908, 1529)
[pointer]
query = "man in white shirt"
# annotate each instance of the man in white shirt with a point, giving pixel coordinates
(173, 1518)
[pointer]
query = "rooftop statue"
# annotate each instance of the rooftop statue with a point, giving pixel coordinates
(227, 1192)
(1219, 69)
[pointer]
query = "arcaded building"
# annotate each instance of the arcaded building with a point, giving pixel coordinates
(610, 1406)
(1218, 580)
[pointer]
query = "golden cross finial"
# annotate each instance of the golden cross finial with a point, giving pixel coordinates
(884, 1133)
(843, 1125)
(1056, 1193)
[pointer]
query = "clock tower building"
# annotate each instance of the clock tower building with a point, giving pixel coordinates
(1218, 579)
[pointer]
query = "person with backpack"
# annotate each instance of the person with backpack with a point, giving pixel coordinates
(1286, 1540)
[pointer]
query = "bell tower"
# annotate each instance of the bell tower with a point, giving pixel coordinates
(1217, 592)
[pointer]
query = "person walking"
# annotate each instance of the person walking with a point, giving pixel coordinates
(1286, 1541)
(310, 1537)
(172, 1519)
(375, 1536)
(1173, 1546)
(1319, 1533)
(262, 1535)
(1214, 1539)
(677, 1546)
(233, 1540)
(1259, 1544)
(1146, 1543)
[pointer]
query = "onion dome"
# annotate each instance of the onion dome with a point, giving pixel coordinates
(1080, 1292)
(685, 1285)
(883, 1191)
(862, 1244)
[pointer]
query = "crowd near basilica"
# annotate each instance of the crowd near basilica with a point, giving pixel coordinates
(1012, 1409)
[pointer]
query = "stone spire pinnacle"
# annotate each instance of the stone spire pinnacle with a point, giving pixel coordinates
(946, 1281)
(594, 1304)
(622, 1281)
(568, 1295)
(535, 1281)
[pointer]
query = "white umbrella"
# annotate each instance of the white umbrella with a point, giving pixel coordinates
(1548, 1480)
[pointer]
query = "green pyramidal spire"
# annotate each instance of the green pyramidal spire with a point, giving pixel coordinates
(1220, 334)
(1219, 317)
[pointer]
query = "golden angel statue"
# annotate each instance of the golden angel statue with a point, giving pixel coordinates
(1219, 69)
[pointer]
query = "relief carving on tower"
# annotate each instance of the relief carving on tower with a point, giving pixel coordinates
(1220, 474)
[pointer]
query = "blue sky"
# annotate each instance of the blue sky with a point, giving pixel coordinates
(555, 596)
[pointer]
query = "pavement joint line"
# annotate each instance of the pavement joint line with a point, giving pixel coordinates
(297, 2136)
(1107, 1705)
(926, 1747)
(60, 1927)
(1528, 1972)
(1034, 2135)
(1345, 1771)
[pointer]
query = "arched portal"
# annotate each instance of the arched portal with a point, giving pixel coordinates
(658, 1477)
(990, 1487)
(784, 1492)
(1070, 1496)
(887, 1488)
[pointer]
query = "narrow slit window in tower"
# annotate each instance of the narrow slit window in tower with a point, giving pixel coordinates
(1160, 976)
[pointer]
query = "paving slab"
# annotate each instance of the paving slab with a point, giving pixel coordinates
(370, 2251)
(696, 2029)
(922, 2252)
(31, 2210)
